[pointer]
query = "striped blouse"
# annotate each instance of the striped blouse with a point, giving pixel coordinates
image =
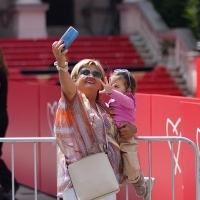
(80, 132)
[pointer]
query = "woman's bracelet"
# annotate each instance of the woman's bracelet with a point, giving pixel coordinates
(65, 69)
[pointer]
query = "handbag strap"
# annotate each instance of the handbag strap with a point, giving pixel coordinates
(99, 111)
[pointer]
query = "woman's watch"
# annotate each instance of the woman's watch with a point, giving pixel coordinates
(65, 69)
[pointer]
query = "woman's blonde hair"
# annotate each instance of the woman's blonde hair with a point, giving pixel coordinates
(81, 64)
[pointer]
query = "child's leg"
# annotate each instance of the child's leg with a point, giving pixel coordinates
(131, 166)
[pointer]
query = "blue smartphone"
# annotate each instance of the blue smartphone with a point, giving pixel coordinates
(68, 37)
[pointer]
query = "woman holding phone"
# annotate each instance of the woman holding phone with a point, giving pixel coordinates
(78, 124)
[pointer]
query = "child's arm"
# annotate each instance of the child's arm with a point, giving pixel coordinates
(122, 99)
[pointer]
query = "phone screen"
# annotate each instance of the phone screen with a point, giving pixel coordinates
(68, 37)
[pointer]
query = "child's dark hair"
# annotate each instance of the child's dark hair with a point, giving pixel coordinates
(129, 79)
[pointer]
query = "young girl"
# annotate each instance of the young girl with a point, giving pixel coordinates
(121, 88)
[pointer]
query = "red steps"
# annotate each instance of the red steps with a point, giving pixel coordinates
(158, 81)
(111, 51)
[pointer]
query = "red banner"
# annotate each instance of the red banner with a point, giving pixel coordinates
(31, 113)
(190, 127)
(198, 77)
(23, 114)
(165, 122)
(48, 101)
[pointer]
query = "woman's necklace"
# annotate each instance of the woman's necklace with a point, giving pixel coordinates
(94, 113)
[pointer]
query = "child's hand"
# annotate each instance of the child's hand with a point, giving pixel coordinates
(127, 130)
(108, 87)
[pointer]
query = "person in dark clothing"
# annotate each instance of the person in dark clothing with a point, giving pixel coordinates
(5, 173)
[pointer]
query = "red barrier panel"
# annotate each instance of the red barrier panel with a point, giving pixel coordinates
(166, 121)
(31, 112)
(190, 128)
(143, 114)
(23, 113)
(48, 100)
(143, 122)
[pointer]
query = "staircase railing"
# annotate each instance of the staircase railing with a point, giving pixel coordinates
(143, 19)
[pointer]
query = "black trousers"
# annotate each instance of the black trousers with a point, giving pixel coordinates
(3, 126)
(6, 178)
(5, 173)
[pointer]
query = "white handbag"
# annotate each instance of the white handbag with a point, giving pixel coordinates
(93, 176)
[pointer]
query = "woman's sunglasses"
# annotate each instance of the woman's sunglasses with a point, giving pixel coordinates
(95, 74)
(122, 71)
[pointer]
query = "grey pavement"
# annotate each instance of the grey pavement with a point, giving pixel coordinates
(25, 193)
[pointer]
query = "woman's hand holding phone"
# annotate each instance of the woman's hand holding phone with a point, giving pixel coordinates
(68, 37)
(60, 48)
(59, 55)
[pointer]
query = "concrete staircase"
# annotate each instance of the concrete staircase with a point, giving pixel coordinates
(142, 48)
(179, 80)
(146, 54)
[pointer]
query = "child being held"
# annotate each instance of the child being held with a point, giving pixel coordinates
(121, 88)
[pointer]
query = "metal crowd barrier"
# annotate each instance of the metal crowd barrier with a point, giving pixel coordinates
(149, 139)
(34, 140)
(173, 139)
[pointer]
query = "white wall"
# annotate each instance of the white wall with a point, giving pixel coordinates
(97, 19)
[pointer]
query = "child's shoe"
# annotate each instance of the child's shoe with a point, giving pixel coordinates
(147, 194)
(140, 186)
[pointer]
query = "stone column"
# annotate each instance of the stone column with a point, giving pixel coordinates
(30, 19)
(191, 76)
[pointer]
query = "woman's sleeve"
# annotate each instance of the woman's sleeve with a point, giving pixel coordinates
(63, 128)
(122, 99)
